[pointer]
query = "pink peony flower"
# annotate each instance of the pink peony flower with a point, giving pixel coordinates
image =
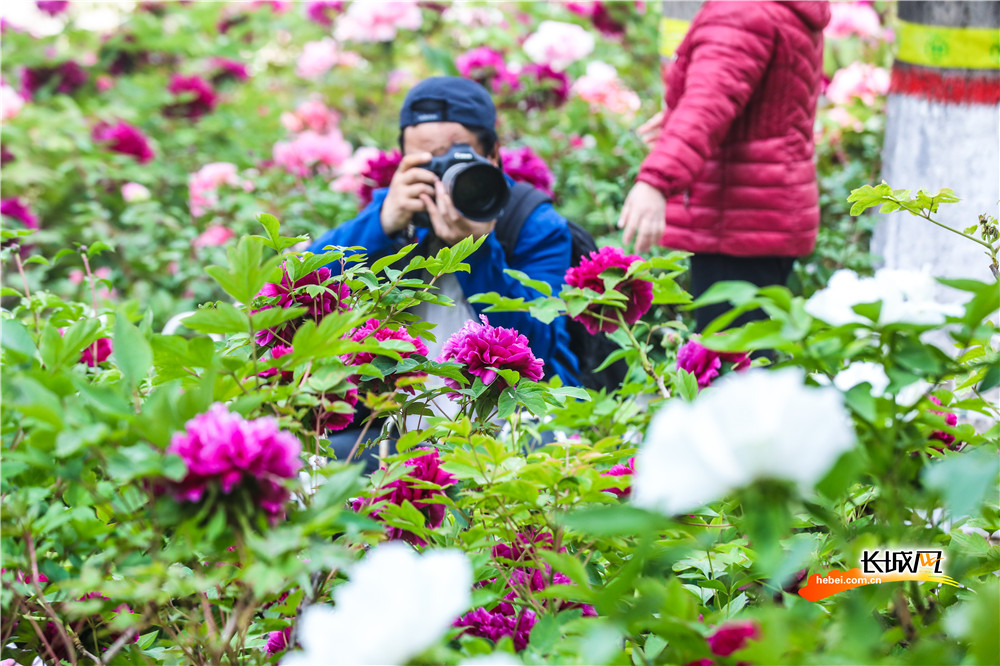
(204, 184)
(484, 349)
(318, 57)
(97, 353)
(52, 7)
(227, 69)
(277, 351)
(10, 102)
(858, 80)
(587, 275)
(19, 211)
(132, 192)
(319, 12)
(309, 150)
(558, 45)
(312, 115)
(426, 469)
(66, 78)
(487, 67)
(604, 91)
(627, 469)
(196, 97)
(277, 6)
(546, 87)
(852, 18)
(331, 297)
(125, 139)
(398, 79)
(220, 447)
(377, 21)
(523, 165)
(215, 235)
(705, 363)
(349, 178)
(277, 641)
(951, 419)
(494, 625)
(731, 637)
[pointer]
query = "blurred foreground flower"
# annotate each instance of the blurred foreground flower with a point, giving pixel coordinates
(761, 424)
(906, 297)
(396, 605)
(587, 275)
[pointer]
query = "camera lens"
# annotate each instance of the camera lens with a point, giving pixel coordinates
(478, 190)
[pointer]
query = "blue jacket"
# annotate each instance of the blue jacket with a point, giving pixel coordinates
(543, 252)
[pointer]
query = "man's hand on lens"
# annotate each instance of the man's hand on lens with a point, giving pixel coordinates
(449, 225)
(409, 184)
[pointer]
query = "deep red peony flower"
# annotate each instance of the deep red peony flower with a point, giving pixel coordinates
(330, 298)
(97, 352)
(587, 275)
(125, 139)
(336, 420)
(227, 69)
(484, 349)
(952, 420)
(371, 329)
(494, 625)
(195, 94)
(546, 87)
(378, 173)
(68, 77)
(277, 351)
(731, 637)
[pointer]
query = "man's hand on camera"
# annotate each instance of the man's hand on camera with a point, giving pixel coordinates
(449, 225)
(409, 184)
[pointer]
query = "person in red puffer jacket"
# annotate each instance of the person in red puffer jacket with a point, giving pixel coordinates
(731, 177)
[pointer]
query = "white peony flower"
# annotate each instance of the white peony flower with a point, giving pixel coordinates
(752, 425)
(906, 297)
(396, 605)
(558, 44)
(860, 372)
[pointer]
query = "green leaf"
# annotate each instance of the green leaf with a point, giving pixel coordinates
(507, 403)
(545, 633)
(991, 378)
(246, 274)
(613, 520)
(97, 248)
(965, 479)
(392, 258)
(538, 285)
(132, 353)
(15, 337)
(223, 318)
(273, 316)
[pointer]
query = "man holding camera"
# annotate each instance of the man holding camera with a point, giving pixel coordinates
(450, 186)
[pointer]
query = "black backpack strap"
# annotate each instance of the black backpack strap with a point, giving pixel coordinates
(524, 199)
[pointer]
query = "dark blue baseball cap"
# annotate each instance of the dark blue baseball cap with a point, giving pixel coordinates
(448, 99)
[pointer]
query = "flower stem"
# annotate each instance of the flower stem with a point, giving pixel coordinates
(646, 364)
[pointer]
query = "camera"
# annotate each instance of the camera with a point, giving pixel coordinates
(477, 188)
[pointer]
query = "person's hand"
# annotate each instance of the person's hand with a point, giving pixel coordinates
(650, 130)
(408, 185)
(643, 217)
(449, 225)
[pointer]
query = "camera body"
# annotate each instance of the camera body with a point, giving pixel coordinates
(477, 188)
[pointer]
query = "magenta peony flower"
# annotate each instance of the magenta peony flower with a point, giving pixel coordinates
(940, 435)
(705, 363)
(227, 69)
(19, 211)
(378, 174)
(195, 94)
(487, 67)
(66, 78)
(546, 87)
(97, 352)
(336, 420)
(25, 578)
(731, 637)
(220, 447)
(277, 641)
(319, 12)
(125, 139)
(371, 328)
(588, 276)
(52, 7)
(494, 625)
(524, 166)
(426, 469)
(484, 349)
(331, 297)
(277, 351)
(627, 469)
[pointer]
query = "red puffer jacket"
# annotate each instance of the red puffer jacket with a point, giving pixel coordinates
(735, 155)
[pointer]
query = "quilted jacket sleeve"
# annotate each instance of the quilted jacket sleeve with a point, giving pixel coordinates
(728, 53)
